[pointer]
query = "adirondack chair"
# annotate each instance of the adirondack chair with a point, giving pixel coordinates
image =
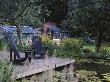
(13, 48)
(38, 48)
(7, 33)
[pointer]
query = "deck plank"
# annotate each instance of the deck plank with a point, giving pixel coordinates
(37, 65)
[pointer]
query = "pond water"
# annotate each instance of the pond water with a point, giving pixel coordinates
(101, 67)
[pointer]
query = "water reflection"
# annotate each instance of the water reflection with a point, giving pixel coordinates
(102, 68)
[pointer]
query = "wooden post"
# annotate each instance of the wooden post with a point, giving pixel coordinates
(46, 53)
(34, 52)
(70, 76)
(63, 74)
(14, 56)
(10, 54)
(26, 54)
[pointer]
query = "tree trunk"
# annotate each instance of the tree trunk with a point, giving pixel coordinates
(99, 39)
(19, 34)
(18, 30)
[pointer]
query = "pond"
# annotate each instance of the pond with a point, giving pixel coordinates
(101, 67)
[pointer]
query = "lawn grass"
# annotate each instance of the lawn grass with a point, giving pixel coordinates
(92, 47)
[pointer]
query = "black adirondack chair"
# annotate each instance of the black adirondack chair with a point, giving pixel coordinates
(37, 47)
(9, 38)
(14, 49)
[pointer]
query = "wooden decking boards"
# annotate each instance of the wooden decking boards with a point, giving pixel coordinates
(38, 65)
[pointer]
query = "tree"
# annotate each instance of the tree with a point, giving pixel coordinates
(21, 12)
(57, 10)
(92, 15)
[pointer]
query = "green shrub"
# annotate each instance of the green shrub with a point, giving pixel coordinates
(50, 44)
(91, 47)
(5, 71)
(70, 47)
(19, 47)
(87, 50)
(106, 77)
(104, 50)
(104, 53)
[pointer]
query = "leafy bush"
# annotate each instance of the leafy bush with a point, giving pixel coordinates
(50, 44)
(86, 50)
(70, 47)
(91, 47)
(5, 71)
(104, 53)
(104, 50)
(106, 77)
(23, 47)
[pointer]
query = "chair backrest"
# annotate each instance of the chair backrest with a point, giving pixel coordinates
(37, 44)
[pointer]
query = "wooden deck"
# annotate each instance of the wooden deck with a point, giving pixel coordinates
(37, 65)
